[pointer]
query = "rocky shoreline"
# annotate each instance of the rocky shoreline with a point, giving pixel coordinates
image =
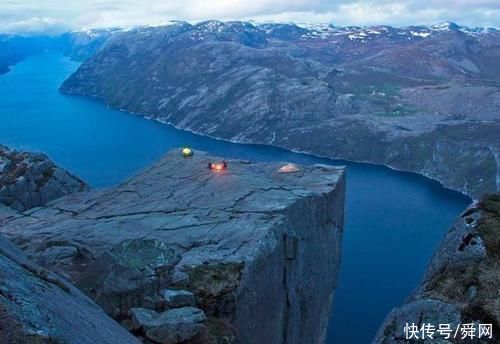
(181, 253)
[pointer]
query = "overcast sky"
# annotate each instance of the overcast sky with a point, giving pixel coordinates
(54, 16)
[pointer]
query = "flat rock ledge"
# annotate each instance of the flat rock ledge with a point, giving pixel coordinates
(37, 306)
(30, 180)
(461, 285)
(258, 249)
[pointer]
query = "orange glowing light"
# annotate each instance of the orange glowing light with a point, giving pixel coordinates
(217, 166)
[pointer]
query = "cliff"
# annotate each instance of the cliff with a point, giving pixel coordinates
(419, 99)
(29, 180)
(37, 306)
(461, 283)
(183, 253)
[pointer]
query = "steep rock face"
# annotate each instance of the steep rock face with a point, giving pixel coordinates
(37, 306)
(461, 283)
(259, 249)
(29, 180)
(410, 98)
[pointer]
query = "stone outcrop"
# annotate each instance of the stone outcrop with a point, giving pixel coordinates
(258, 249)
(461, 285)
(418, 99)
(30, 180)
(37, 306)
(170, 327)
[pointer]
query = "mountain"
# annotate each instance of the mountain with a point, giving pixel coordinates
(16, 48)
(421, 99)
(78, 45)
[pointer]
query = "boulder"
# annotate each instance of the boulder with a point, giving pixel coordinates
(29, 180)
(169, 327)
(259, 249)
(175, 325)
(178, 298)
(141, 316)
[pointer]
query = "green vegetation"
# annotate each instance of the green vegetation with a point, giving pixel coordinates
(46, 176)
(214, 286)
(385, 98)
(219, 331)
(215, 279)
(455, 282)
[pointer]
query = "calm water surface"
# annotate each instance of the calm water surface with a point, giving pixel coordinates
(394, 220)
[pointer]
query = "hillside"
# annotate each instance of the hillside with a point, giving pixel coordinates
(421, 99)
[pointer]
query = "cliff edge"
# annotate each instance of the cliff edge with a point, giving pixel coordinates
(461, 283)
(182, 253)
(30, 180)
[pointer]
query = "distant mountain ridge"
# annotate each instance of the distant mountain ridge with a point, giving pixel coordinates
(78, 45)
(81, 45)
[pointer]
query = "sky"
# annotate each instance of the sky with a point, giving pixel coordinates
(56, 16)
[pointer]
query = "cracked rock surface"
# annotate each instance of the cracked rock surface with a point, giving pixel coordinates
(37, 306)
(29, 180)
(260, 250)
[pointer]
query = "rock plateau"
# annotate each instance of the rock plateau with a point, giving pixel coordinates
(256, 250)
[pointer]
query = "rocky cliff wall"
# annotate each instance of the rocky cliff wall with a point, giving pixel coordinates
(461, 285)
(29, 180)
(183, 253)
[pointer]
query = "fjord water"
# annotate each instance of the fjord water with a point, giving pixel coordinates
(394, 220)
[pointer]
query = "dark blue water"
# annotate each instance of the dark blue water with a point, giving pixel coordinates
(394, 220)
